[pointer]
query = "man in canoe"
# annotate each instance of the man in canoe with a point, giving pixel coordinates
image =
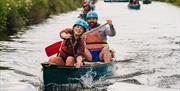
(131, 1)
(96, 42)
(72, 49)
(88, 6)
(134, 2)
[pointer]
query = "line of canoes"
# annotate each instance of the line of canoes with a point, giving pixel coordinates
(131, 6)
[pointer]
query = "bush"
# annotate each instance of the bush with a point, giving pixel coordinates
(14, 18)
(56, 6)
(3, 15)
(38, 12)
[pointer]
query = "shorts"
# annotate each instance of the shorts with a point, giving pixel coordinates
(95, 55)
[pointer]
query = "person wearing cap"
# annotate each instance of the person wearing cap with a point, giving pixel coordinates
(72, 49)
(96, 42)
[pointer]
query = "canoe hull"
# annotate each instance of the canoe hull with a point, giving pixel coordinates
(82, 16)
(147, 1)
(134, 6)
(55, 74)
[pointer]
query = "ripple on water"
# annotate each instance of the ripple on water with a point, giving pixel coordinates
(169, 81)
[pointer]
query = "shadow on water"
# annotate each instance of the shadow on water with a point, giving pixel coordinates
(23, 73)
(4, 48)
(167, 81)
(69, 87)
(78, 86)
(132, 81)
(5, 68)
(85, 83)
(74, 87)
(126, 75)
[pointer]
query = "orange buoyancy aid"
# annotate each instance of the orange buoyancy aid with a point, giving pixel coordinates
(94, 40)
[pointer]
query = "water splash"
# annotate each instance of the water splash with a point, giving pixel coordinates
(87, 79)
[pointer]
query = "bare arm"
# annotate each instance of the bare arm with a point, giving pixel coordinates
(112, 31)
(65, 34)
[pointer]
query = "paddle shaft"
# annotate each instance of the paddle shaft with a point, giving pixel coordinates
(73, 50)
(124, 60)
(92, 30)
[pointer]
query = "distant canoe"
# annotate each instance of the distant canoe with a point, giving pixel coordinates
(134, 6)
(82, 16)
(116, 0)
(147, 1)
(56, 74)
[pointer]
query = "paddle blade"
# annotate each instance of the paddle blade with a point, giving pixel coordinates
(53, 49)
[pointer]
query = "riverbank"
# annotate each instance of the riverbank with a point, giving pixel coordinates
(16, 14)
(175, 2)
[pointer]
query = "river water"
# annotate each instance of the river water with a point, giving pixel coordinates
(149, 36)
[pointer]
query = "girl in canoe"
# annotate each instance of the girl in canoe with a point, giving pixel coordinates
(72, 49)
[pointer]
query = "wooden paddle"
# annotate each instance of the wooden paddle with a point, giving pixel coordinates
(54, 48)
(92, 30)
(124, 60)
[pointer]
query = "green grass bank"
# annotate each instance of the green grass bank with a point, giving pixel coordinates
(175, 2)
(16, 14)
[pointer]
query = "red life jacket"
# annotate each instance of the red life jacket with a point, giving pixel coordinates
(95, 41)
(67, 48)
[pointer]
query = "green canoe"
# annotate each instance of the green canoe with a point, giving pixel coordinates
(56, 74)
(82, 16)
(134, 6)
(147, 1)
